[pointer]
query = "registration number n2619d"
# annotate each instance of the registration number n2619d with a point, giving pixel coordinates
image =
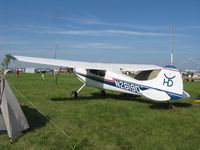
(127, 86)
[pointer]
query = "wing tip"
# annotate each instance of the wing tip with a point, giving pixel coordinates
(11, 56)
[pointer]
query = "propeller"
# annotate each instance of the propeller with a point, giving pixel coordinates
(56, 80)
(54, 83)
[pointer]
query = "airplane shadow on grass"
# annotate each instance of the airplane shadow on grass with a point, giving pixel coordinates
(126, 97)
(165, 105)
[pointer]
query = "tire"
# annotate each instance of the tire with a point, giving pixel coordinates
(102, 93)
(74, 94)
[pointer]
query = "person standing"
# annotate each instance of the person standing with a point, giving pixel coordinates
(43, 73)
(17, 72)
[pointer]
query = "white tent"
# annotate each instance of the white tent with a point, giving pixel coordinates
(12, 118)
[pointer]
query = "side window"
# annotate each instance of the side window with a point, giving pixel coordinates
(147, 75)
(97, 72)
(102, 73)
(94, 72)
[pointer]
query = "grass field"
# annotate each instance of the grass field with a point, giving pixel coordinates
(113, 122)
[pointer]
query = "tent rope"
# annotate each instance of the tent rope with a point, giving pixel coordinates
(54, 124)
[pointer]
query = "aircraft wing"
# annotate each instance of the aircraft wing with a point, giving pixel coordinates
(86, 65)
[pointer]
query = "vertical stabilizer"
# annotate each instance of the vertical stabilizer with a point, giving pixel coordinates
(172, 49)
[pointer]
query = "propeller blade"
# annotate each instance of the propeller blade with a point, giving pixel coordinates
(56, 81)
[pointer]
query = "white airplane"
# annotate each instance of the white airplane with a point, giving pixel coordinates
(150, 81)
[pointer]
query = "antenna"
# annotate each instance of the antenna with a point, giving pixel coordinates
(55, 51)
(172, 49)
(55, 55)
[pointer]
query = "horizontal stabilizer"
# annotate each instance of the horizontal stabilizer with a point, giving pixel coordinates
(155, 95)
(185, 95)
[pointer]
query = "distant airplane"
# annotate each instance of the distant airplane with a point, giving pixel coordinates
(191, 75)
(150, 81)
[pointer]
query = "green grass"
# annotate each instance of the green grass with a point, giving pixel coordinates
(114, 122)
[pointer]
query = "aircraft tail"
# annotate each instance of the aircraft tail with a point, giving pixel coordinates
(168, 85)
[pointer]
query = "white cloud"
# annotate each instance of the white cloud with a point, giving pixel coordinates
(86, 20)
(105, 33)
(91, 20)
(136, 33)
(96, 45)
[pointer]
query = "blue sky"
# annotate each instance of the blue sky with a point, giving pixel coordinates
(117, 31)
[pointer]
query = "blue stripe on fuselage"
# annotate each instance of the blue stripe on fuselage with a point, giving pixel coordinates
(174, 96)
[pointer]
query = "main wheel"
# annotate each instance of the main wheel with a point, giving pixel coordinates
(74, 94)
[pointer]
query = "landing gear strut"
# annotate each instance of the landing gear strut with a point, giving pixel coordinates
(75, 93)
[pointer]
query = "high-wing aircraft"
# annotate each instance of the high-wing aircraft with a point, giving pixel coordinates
(150, 81)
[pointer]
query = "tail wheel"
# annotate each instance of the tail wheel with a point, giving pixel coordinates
(74, 94)
(102, 92)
